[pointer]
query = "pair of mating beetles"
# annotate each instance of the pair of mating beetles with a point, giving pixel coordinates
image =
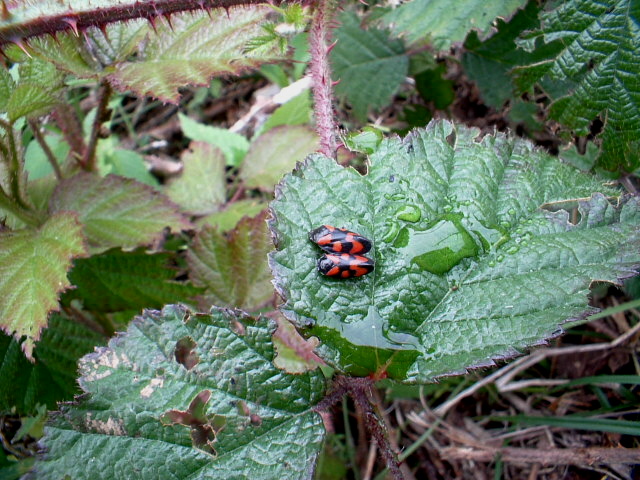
(344, 248)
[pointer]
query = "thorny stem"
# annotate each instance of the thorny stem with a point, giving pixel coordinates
(35, 128)
(89, 160)
(77, 21)
(358, 389)
(319, 36)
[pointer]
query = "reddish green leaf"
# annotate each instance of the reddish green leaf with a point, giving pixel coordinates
(33, 271)
(117, 211)
(233, 268)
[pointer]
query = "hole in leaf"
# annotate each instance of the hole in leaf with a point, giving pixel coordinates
(186, 354)
(204, 429)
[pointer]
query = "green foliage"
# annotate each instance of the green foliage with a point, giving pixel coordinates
(233, 268)
(600, 45)
(275, 153)
(475, 256)
(489, 63)
(33, 267)
(439, 23)
(192, 50)
(368, 64)
(52, 377)
(296, 111)
(115, 211)
(233, 145)
(35, 93)
(116, 280)
(227, 219)
(193, 396)
(201, 187)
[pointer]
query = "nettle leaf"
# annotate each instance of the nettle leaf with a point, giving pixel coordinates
(198, 391)
(116, 280)
(369, 65)
(275, 153)
(475, 258)
(52, 378)
(233, 267)
(117, 211)
(201, 187)
(33, 271)
(488, 63)
(440, 24)
(600, 48)
(194, 49)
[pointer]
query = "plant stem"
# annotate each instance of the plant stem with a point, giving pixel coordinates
(321, 76)
(14, 168)
(358, 389)
(25, 215)
(68, 122)
(81, 19)
(89, 160)
(35, 128)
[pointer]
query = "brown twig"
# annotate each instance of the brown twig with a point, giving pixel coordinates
(550, 456)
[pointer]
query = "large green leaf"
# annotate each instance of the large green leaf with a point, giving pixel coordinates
(194, 49)
(475, 258)
(442, 23)
(275, 153)
(369, 66)
(187, 396)
(117, 211)
(233, 268)
(116, 280)
(52, 378)
(201, 187)
(599, 56)
(33, 271)
(488, 63)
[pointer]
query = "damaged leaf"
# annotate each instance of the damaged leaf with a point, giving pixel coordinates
(232, 414)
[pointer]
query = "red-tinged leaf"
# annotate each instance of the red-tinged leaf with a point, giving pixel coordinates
(233, 268)
(33, 272)
(117, 211)
(195, 50)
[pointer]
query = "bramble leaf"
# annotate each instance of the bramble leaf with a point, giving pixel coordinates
(368, 64)
(275, 153)
(439, 23)
(192, 396)
(600, 47)
(116, 281)
(201, 187)
(233, 267)
(52, 378)
(475, 256)
(33, 272)
(194, 49)
(117, 211)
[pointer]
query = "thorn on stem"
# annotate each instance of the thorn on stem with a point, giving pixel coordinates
(167, 17)
(152, 22)
(73, 24)
(22, 44)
